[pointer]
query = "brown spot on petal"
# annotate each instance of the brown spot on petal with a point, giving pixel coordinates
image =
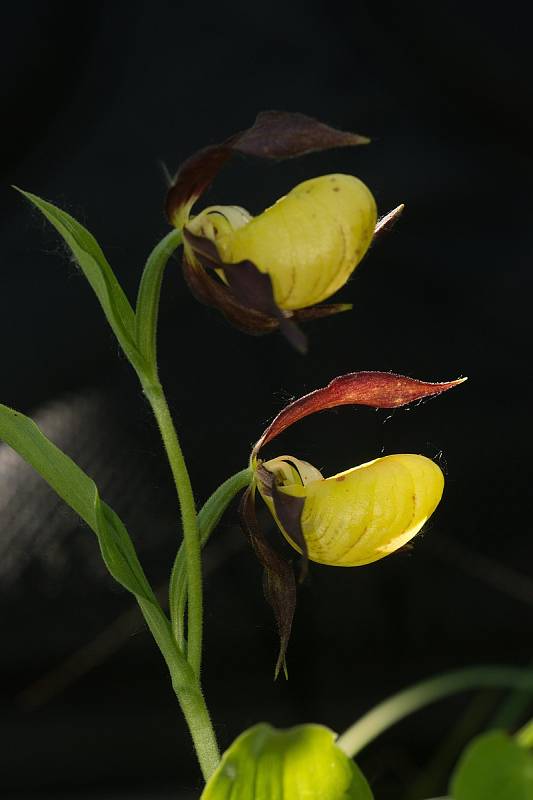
(340, 478)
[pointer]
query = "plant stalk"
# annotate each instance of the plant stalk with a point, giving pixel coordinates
(208, 518)
(524, 736)
(186, 687)
(191, 537)
(406, 702)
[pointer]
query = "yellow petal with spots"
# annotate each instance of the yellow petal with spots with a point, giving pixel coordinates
(310, 241)
(368, 512)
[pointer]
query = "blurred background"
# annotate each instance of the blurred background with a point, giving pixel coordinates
(95, 99)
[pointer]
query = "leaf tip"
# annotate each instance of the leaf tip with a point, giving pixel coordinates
(457, 382)
(281, 665)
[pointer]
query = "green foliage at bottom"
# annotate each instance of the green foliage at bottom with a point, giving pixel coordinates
(301, 763)
(494, 767)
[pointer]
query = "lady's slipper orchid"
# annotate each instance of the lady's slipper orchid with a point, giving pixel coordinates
(353, 518)
(275, 269)
(359, 515)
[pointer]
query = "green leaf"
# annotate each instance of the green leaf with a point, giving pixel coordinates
(301, 763)
(80, 493)
(493, 766)
(208, 518)
(98, 272)
(147, 309)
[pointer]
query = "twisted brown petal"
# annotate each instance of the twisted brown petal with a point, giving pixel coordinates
(279, 584)
(377, 389)
(288, 511)
(214, 293)
(248, 299)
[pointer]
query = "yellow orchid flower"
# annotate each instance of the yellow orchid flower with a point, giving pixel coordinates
(309, 242)
(275, 269)
(353, 518)
(362, 514)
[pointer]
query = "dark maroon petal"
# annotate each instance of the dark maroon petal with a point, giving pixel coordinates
(319, 312)
(377, 389)
(289, 512)
(282, 134)
(204, 249)
(274, 134)
(389, 220)
(194, 177)
(250, 291)
(279, 584)
(253, 288)
(212, 292)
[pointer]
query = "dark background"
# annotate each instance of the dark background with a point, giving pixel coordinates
(94, 98)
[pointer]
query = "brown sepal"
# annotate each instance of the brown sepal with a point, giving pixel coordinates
(319, 312)
(279, 584)
(248, 300)
(289, 512)
(274, 135)
(212, 292)
(254, 290)
(285, 134)
(376, 389)
(388, 221)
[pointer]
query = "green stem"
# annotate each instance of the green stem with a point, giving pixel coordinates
(515, 706)
(406, 702)
(208, 518)
(184, 670)
(191, 536)
(186, 687)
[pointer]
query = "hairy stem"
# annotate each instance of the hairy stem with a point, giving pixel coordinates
(186, 687)
(208, 518)
(191, 536)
